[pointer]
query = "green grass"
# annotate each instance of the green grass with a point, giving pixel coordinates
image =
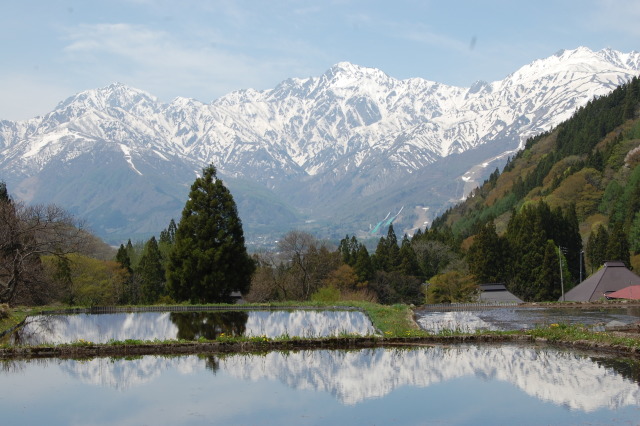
(572, 333)
(15, 317)
(391, 320)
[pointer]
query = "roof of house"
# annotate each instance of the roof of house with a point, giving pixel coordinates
(496, 292)
(631, 292)
(613, 276)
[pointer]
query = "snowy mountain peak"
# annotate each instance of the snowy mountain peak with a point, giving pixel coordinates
(569, 65)
(346, 74)
(342, 147)
(115, 95)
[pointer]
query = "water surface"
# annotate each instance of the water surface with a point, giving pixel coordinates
(469, 384)
(101, 328)
(516, 318)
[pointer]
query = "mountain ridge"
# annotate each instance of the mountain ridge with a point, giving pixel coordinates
(310, 145)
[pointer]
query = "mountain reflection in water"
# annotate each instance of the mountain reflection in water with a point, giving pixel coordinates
(517, 318)
(101, 328)
(564, 378)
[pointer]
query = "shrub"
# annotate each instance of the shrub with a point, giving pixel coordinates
(4, 311)
(326, 294)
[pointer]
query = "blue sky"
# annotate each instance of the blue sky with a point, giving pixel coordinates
(52, 49)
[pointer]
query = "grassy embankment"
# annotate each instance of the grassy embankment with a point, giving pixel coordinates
(11, 317)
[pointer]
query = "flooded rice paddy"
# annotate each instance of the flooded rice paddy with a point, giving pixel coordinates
(518, 318)
(102, 328)
(460, 385)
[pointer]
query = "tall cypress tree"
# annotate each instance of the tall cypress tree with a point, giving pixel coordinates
(151, 273)
(209, 259)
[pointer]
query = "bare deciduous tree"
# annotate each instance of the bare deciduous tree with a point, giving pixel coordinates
(295, 272)
(309, 261)
(26, 234)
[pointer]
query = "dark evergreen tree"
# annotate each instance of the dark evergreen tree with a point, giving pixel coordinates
(4, 194)
(168, 235)
(386, 257)
(634, 234)
(618, 246)
(595, 160)
(380, 258)
(151, 273)
(130, 293)
(597, 247)
(167, 239)
(348, 249)
(527, 240)
(568, 236)
(363, 266)
(547, 285)
(630, 101)
(122, 257)
(527, 235)
(407, 260)
(487, 257)
(393, 251)
(633, 203)
(134, 253)
(394, 287)
(209, 259)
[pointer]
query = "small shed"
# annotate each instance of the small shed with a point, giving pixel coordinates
(496, 292)
(613, 276)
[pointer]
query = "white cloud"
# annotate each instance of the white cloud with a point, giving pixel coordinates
(164, 65)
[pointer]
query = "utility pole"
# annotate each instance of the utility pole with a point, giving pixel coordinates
(561, 281)
(581, 254)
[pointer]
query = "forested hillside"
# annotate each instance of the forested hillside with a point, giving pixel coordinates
(576, 188)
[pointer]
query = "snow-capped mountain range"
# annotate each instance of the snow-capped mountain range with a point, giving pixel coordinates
(336, 152)
(571, 380)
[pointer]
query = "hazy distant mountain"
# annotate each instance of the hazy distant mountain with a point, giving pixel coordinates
(336, 152)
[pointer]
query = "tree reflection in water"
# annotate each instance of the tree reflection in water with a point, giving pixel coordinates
(209, 325)
(211, 363)
(626, 367)
(37, 329)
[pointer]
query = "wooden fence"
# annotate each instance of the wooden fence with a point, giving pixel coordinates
(467, 306)
(189, 308)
